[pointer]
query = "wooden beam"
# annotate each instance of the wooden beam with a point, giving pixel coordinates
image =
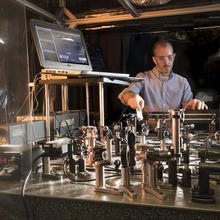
(108, 18)
(69, 14)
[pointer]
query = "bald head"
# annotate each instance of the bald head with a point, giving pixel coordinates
(161, 43)
(163, 57)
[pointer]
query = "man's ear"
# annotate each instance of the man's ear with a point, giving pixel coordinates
(154, 60)
(174, 56)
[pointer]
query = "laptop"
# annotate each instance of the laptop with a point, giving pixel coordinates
(62, 51)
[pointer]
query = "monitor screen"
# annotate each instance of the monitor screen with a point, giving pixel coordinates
(60, 47)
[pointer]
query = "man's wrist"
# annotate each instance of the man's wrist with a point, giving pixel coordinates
(129, 95)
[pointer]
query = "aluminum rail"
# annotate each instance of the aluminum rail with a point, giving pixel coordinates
(37, 9)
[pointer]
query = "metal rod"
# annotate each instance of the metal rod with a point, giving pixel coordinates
(198, 119)
(176, 134)
(108, 146)
(87, 103)
(101, 104)
(125, 176)
(65, 98)
(47, 104)
(37, 9)
(129, 7)
(196, 113)
(151, 182)
(46, 165)
(144, 174)
(99, 175)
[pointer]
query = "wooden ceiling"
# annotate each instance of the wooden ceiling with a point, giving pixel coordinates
(102, 15)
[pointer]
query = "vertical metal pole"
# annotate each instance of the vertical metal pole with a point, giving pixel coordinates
(101, 103)
(47, 104)
(46, 160)
(175, 117)
(99, 174)
(87, 103)
(151, 183)
(144, 174)
(65, 98)
(108, 147)
(46, 165)
(176, 132)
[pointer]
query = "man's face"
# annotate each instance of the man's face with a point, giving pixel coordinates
(164, 58)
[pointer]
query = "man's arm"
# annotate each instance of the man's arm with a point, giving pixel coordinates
(188, 102)
(132, 99)
(130, 96)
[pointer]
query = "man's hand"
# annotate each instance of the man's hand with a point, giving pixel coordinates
(196, 104)
(136, 102)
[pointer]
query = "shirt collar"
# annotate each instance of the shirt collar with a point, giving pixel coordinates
(161, 76)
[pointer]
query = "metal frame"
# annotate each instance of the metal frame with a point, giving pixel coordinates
(108, 18)
(72, 21)
(129, 7)
(84, 81)
(37, 9)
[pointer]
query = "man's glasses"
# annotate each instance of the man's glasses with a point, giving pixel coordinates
(169, 57)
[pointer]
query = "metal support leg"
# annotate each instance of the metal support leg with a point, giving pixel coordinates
(151, 182)
(101, 104)
(64, 92)
(46, 165)
(87, 104)
(46, 160)
(100, 181)
(47, 104)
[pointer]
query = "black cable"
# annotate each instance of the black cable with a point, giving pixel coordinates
(59, 123)
(69, 177)
(121, 115)
(68, 128)
(59, 129)
(24, 186)
(70, 133)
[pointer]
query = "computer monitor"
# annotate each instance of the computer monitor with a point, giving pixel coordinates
(59, 47)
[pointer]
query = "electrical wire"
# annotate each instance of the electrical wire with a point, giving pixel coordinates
(122, 114)
(27, 97)
(71, 131)
(36, 98)
(25, 184)
(23, 192)
(68, 128)
(59, 126)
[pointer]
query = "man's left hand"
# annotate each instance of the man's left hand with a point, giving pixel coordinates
(196, 104)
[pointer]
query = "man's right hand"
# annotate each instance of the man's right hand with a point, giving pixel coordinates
(136, 102)
(196, 104)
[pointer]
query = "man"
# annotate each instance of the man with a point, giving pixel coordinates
(161, 89)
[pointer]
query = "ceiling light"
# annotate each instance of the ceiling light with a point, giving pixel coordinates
(149, 2)
(101, 27)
